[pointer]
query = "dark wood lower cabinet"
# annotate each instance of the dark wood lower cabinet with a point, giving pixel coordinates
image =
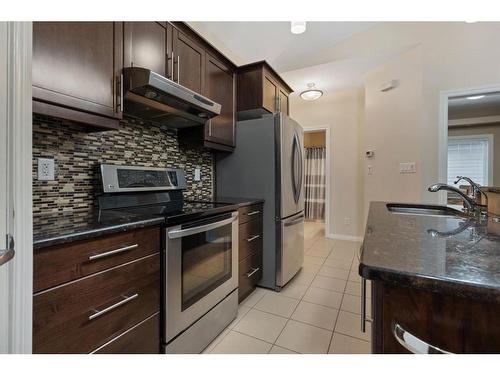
(111, 306)
(451, 323)
(143, 338)
(250, 249)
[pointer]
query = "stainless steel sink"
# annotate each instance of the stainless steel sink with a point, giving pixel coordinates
(423, 209)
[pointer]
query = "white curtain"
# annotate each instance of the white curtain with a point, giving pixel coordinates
(315, 182)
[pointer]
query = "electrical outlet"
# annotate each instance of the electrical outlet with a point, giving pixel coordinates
(45, 169)
(347, 221)
(197, 174)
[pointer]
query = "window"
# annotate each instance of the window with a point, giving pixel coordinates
(470, 156)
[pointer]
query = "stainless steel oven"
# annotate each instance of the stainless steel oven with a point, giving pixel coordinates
(200, 281)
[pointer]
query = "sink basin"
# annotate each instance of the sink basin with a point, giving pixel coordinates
(423, 209)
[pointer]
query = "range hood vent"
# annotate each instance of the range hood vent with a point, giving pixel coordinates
(152, 97)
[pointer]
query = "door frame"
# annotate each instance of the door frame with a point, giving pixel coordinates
(326, 129)
(444, 96)
(16, 51)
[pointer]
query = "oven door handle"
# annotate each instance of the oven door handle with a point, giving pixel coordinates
(202, 228)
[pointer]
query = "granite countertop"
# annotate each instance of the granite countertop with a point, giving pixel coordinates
(241, 202)
(454, 255)
(59, 228)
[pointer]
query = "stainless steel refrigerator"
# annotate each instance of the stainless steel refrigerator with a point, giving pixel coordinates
(268, 163)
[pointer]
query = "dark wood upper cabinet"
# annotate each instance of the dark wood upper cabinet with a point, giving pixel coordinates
(220, 84)
(261, 91)
(76, 70)
(189, 62)
(145, 46)
(283, 102)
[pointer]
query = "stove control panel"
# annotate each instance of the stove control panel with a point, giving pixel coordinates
(122, 178)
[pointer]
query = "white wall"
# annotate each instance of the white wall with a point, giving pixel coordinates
(439, 57)
(340, 112)
(392, 129)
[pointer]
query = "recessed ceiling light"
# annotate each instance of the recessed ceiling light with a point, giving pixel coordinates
(312, 93)
(298, 27)
(475, 97)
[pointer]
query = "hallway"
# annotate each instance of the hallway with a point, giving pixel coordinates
(317, 312)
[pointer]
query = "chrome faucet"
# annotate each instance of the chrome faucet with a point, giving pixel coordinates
(476, 189)
(470, 204)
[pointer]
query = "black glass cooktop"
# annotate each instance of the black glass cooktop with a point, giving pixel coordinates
(178, 212)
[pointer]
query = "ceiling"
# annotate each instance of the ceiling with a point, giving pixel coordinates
(272, 41)
(461, 107)
(304, 58)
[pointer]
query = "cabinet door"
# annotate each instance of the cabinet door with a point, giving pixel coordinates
(189, 62)
(145, 46)
(78, 65)
(270, 89)
(283, 101)
(220, 86)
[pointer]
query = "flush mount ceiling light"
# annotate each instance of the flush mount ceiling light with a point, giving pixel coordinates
(312, 93)
(298, 27)
(475, 97)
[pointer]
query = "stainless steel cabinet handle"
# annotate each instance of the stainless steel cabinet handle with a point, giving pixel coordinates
(125, 300)
(8, 253)
(171, 73)
(364, 319)
(178, 69)
(122, 105)
(249, 274)
(413, 343)
(112, 252)
(202, 228)
(253, 213)
(250, 239)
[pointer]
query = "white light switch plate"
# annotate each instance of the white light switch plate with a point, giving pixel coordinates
(45, 169)
(408, 167)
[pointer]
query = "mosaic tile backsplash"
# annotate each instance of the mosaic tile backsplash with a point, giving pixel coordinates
(78, 153)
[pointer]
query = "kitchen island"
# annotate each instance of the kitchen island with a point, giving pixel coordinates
(435, 276)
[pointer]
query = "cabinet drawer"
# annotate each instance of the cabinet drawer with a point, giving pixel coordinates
(63, 263)
(82, 315)
(143, 338)
(248, 213)
(250, 238)
(250, 272)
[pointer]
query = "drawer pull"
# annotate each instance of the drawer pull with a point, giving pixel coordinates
(125, 300)
(112, 252)
(253, 213)
(253, 238)
(249, 274)
(414, 344)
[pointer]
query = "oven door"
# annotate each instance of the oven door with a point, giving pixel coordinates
(201, 269)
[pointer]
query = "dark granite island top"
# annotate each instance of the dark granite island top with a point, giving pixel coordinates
(65, 227)
(453, 255)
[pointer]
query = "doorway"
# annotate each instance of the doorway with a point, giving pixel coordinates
(316, 181)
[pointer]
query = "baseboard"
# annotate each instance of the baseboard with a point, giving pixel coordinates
(344, 237)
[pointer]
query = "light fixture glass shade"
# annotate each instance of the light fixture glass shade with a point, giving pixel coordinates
(475, 97)
(298, 27)
(312, 93)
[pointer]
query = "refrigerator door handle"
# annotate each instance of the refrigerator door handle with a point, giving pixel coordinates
(296, 158)
(296, 220)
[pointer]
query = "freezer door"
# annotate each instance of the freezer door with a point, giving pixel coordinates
(292, 248)
(291, 166)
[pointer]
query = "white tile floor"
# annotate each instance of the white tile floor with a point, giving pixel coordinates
(317, 312)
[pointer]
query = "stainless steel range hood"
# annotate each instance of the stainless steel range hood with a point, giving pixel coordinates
(152, 97)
